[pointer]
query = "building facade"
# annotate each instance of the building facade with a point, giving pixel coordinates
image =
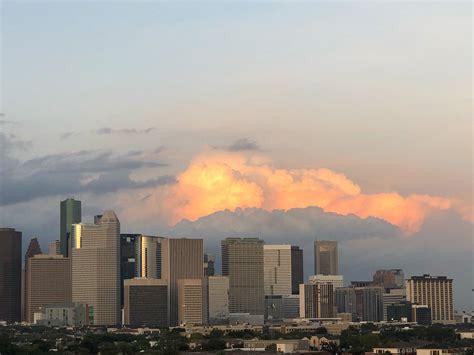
(54, 248)
(192, 305)
(436, 292)
(64, 315)
(392, 296)
(70, 213)
(388, 279)
(96, 268)
(217, 294)
(10, 275)
(145, 302)
(283, 269)
(182, 258)
(326, 260)
(336, 280)
(317, 300)
(242, 262)
(48, 280)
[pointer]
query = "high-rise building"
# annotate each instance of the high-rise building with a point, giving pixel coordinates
(10, 275)
(192, 306)
(96, 268)
(54, 248)
(399, 311)
(336, 280)
(364, 303)
(421, 314)
(436, 292)
(48, 280)
(326, 257)
(242, 262)
(392, 296)
(283, 269)
(216, 290)
(70, 214)
(209, 262)
(317, 300)
(146, 302)
(369, 303)
(181, 259)
(33, 249)
(278, 308)
(148, 256)
(388, 279)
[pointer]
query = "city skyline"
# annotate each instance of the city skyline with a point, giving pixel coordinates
(349, 122)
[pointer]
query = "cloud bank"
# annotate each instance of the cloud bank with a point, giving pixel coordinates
(215, 181)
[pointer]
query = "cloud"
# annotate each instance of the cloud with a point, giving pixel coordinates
(97, 172)
(215, 181)
(7, 122)
(240, 145)
(124, 131)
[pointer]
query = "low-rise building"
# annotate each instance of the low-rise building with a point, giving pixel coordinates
(65, 315)
(280, 345)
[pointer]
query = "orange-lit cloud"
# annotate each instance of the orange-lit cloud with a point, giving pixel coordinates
(215, 181)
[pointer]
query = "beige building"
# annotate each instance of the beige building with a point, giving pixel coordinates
(335, 280)
(54, 248)
(283, 269)
(434, 291)
(48, 280)
(217, 292)
(145, 302)
(96, 267)
(181, 259)
(242, 262)
(326, 257)
(192, 307)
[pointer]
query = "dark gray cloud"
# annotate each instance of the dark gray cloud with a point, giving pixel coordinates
(85, 171)
(240, 145)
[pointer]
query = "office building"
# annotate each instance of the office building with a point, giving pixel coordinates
(326, 257)
(217, 294)
(283, 269)
(64, 315)
(33, 249)
(209, 262)
(364, 303)
(317, 300)
(148, 256)
(362, 283)
(181, 259)
(345, 299)
(436, 292)
(10, 275)
(54, 248)
(192, 306)
(70, 213)
(336, 280)
(369, 303)
(279, 308)
(421, 314)
(48, 280)
(399, 311)
(389, 279)
(146, 302)
(96, 268)
(392, 296)
(242, 262)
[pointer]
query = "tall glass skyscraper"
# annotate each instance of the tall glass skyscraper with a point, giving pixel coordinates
(70, 214)
(326, 257)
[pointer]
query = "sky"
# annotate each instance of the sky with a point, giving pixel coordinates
(166, 111)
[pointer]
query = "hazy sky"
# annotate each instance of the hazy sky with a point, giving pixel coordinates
(110, 101)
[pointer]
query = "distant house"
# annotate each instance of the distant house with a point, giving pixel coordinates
(441, 351)
(399, 348)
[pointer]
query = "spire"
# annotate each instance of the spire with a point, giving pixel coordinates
(33, 248)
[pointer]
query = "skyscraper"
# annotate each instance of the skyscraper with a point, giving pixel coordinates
(181, 259)
(326, 257)
(33, 249)
(54, 248)
(146, 302)
(48, 281)
(216, 290)
(148, 256)
(364, 303)
(10, 275)
(283, 269)
(242, 262)
(436, 292)
(96, 268)
(70, 214)
(192, 305)
(317, 300)
(209, 265)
